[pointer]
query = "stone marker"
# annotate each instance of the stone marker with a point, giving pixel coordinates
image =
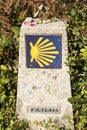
(43, 79)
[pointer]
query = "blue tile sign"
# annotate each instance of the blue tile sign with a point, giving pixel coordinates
(43, 51)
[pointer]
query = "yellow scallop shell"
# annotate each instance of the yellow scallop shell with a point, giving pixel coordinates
(43, 52)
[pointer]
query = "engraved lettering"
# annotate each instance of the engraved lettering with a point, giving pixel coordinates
(44, 110)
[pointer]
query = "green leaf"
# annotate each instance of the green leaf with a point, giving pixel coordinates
(84, 52)
(2, 97)
(8, 129)
(73, 12)
(4, 67)
(71, 100)
(5, 80)
(12, 122)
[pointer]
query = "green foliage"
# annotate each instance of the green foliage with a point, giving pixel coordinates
(78, 62)
(75, 12)
(8, 82)
(50, 125)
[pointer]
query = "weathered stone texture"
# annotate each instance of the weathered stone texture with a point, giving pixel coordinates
(43, 87)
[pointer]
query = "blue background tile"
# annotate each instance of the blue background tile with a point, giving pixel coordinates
(56, 39)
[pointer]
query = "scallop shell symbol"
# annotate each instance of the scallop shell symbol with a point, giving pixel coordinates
(43, 52)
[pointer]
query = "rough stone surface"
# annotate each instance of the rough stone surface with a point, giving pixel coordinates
(46, 21)
(46, 88)
(29, 19)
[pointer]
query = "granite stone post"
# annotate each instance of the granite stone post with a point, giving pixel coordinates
(43, 79)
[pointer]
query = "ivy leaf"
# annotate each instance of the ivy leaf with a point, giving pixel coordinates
(73, 12)
(84, 52)
(2, 97)
(4, 67)
(5, 80)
